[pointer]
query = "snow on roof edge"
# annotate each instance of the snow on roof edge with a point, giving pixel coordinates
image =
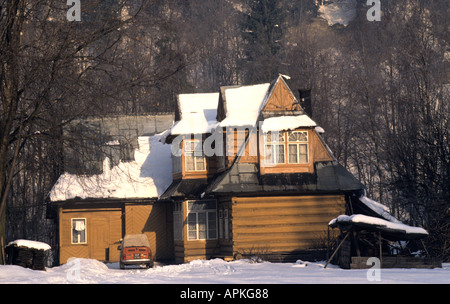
(375, 221)
(30, 244)
(287, 123)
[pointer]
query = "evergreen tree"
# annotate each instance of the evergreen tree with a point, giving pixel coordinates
(262, 36)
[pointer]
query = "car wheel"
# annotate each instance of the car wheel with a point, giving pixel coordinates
(122, 265)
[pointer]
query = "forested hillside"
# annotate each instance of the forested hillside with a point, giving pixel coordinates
(380, 89)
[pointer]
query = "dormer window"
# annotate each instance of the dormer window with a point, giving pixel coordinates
(293, 144)
(298, 147)
(274, 148)
(193, 155)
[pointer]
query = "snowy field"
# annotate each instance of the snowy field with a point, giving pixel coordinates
(86, 271)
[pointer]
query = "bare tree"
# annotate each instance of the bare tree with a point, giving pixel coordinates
(52, 71)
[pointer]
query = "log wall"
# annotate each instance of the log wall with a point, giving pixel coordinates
(283, 224)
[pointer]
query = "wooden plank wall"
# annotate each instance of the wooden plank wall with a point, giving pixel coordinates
(281, 99)
(104, 230)
(282, 224)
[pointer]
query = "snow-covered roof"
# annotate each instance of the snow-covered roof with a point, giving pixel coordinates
(378, 223)
(198, 113)
(30, 244)
(378, 208)
(287, 123)
(148, 176)
(243, 104)
(386, 222)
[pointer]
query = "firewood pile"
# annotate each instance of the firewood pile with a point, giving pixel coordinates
(28, 254)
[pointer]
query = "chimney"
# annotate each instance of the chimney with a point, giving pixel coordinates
(305, 101)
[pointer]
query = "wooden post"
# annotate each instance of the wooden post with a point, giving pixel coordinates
(424, 247)
(381, 249)
(334, 253)
(2, 249)
(328, 242)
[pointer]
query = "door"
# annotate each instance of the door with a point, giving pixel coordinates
(105, 233)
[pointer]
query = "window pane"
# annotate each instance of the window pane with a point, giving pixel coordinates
(192, 226)
(281, 154)
(293, 159)
(201, 225)
(198, 148)
(292, 136)
(269, 154)
(303, 149)
(212, 233)
(189, 163)
(188, 146)
(298, 136)
(199, 163)
(303, 136)
(275, 136)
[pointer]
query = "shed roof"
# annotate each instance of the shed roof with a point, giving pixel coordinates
(388, 229)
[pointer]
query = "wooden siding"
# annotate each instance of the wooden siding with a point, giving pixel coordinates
(155, 220)
(282, 224)
(103, 229)
(281, 99)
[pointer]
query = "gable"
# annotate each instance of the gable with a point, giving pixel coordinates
(281, 98)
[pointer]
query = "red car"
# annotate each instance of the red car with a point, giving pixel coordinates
(135, 250)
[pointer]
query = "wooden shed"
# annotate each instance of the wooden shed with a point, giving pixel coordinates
(380, 236)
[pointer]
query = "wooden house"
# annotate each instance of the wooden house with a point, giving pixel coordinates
(241, 172)
(272, 190)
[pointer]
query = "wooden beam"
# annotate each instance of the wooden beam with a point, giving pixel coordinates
(334, 253)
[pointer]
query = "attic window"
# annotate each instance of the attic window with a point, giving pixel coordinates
(274, 148)
(298, 147)
(292, 143)
(194, 157)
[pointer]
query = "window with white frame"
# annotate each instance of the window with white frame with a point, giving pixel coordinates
(274, 148)
(202, 220)
(78, 230)
(193, 155)
(297, 147)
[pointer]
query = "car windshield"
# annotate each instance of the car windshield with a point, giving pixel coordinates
(135, 240)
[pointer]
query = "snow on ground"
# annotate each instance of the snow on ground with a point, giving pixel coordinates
(87, 271)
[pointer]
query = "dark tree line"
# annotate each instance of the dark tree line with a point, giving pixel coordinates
(380, 89)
